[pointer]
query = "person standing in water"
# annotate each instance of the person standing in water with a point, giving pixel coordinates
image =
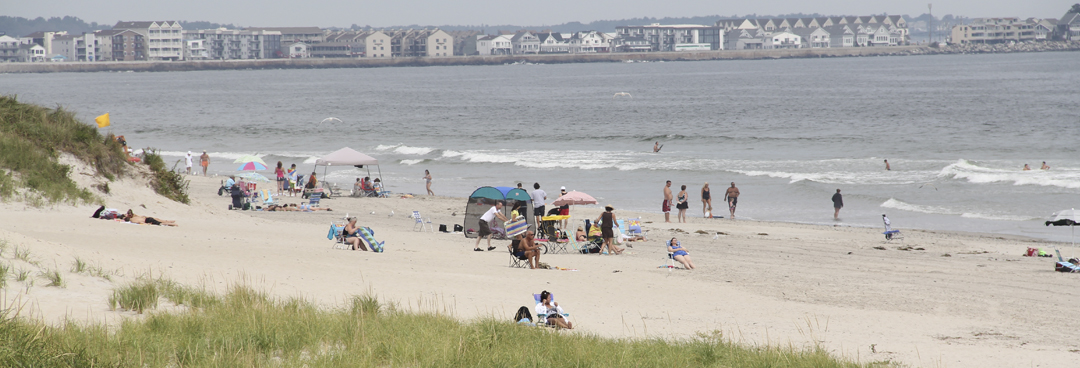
(1044, 166)
(837, 203)
(706, 201)
(887, 168)
(427, 178)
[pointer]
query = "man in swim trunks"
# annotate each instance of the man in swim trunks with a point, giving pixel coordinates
(732, 197)
(666, 207)
(204, 160)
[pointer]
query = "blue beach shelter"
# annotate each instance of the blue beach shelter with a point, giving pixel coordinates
(484, 197)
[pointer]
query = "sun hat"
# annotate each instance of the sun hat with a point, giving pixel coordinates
(563, 188)
(609, 207)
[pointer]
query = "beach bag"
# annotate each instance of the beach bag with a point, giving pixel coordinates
(458, 228)
(442, 228)
(523, 314)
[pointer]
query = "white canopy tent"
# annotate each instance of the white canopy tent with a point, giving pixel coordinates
(349, 157)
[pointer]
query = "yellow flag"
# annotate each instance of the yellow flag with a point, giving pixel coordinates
(102, 121)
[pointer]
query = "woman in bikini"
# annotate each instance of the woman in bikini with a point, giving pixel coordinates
(427, 178)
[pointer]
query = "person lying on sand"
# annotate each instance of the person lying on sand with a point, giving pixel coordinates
(136, 219)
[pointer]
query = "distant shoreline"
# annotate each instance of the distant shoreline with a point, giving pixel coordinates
(174, 66)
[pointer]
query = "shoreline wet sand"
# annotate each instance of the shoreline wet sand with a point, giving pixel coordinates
(960, 300)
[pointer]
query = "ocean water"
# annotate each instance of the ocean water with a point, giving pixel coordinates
(955, 128)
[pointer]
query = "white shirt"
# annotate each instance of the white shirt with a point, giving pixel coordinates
(489, 215)
(887, 223)
(189, 159)
(539, 196)
(542, 312)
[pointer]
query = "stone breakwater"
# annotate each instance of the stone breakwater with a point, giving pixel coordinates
(999, 48)
(168, 66)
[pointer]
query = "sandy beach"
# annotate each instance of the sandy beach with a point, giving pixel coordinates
(936, 299)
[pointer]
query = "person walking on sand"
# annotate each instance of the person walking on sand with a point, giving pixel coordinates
(837, 203)
(539, 199)
(204, 161)
(607, 222)
(427, 178)
(188, 159)
(485, 225)
(732, 198)
(706, 201)
(887, 168)
(683, 204)
(666, 207)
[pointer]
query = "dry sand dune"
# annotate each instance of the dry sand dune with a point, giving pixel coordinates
(960, 300)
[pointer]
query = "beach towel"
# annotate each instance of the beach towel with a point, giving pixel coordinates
(516, 227)
(369, 236)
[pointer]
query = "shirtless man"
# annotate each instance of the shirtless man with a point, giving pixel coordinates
(1044, 166)
(136, 219)
(204, 161)
(666, 207)
(732, 197)
(656, 147)
(887, 168)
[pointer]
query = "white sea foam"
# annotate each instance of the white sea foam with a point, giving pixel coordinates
(404, 150)
(997, 217)
(976, 174)
(847, 177)
(410, 162)
(904, 206)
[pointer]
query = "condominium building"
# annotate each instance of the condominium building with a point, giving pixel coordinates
(164, 39)
(676, 37)
(9, 48)
(360, 44)
(232, 44)
(994, 30)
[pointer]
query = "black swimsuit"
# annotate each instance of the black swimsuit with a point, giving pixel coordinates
(705, 194)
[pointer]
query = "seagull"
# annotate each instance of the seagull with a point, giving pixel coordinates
(391, 214)
(626, 94)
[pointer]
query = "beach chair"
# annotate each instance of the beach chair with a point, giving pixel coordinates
(335, 234)
(515, 261)
(1063, 266)
(634, 228)
(542, 320)
(891, 235)
(422, 222)
(314, 199)
(267, 197)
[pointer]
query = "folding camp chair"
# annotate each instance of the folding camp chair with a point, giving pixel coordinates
(314, 198)
(336, 229)
(516, 262)
(267, 197)
(421, 221)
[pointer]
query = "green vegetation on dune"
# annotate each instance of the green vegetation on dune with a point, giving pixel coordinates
(248, 328)
(31, 140)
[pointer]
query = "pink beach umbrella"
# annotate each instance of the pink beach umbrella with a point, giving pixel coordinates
(574, 197)
(251, 166)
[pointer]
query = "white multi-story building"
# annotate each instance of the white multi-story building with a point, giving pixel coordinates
(231, 44)
(9, 48)
(164, 39)
(494, 45)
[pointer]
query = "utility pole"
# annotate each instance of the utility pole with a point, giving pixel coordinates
(930, 23)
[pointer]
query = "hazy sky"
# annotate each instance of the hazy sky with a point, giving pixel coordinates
(325, 13)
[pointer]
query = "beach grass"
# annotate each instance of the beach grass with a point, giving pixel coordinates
(54, 277)
(166, 182)
(78, 266)
(246, 327)
(23, 254)
(31, 139)
(5, 269)
(22, 275)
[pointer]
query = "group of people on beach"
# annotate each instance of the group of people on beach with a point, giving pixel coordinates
(731, 196)
(1043, 167)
